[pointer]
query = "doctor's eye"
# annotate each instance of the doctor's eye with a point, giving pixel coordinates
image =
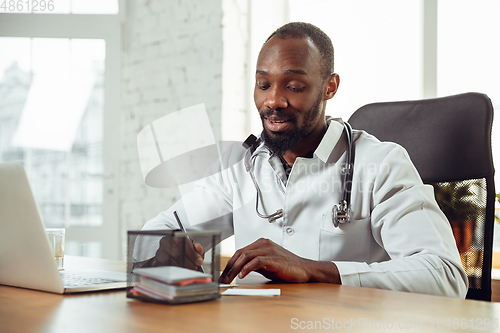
(296, 89)
(262, 86)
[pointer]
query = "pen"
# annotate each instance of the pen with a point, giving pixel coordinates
(184, 231)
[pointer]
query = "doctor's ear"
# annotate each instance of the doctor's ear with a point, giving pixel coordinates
(332, 85)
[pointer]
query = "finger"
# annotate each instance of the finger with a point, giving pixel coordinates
(191, 253)
(201, 253)
(223, 278)
(240, 262)
(234, 258)
(262, 264)
(199, 248)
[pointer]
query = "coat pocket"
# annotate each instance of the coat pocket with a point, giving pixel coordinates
(349, 242)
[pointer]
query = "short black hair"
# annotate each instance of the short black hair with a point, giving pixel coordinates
(318, 37)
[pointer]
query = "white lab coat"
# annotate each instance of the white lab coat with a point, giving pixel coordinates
(397, 239)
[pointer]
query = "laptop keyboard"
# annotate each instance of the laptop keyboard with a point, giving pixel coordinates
(74, 280)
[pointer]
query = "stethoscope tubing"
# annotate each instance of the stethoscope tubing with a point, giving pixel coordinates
(341, 212)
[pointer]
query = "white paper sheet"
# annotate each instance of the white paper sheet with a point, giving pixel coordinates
(224, 285)
(251, 292)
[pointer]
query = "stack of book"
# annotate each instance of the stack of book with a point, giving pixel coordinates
(174, 285)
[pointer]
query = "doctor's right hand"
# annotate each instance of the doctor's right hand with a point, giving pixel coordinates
(181, 252)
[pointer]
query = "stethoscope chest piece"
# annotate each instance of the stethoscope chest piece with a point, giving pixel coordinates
(341, 213)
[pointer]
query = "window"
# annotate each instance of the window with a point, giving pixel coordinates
(58, 115)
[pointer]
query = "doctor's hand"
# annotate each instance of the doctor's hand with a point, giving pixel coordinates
(179, 252)
(277, 263)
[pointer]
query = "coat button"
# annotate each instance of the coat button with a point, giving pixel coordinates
(289, 230)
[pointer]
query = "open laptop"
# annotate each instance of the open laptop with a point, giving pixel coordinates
(26, 259)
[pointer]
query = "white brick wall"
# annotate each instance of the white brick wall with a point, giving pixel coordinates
(172, 59)
(235, 71)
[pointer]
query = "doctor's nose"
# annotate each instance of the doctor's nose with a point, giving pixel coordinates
(275, 100)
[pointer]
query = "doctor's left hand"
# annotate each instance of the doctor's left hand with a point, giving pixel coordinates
(276, 263)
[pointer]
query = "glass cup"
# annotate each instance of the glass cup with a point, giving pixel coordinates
(56, 241)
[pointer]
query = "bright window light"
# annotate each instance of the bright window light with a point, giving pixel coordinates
(377, 49)
(63, 77)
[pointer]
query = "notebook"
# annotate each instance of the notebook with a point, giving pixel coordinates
(174, 285)
(26, 260)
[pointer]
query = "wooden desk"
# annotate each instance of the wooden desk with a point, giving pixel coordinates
(33, 311)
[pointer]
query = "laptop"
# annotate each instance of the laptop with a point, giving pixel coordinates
(26, 259)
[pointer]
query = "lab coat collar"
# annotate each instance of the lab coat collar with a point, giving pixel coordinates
(330, 139)
(262, 147)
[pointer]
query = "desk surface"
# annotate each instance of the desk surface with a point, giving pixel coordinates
(299, 306)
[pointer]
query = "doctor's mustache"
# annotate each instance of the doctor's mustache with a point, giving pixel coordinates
(271, 113)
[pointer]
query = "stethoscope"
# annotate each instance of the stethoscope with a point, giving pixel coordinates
(341, 213)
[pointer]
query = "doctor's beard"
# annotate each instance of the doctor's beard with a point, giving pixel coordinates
(281, 142)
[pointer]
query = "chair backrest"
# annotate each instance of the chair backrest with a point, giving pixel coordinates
(449, 141)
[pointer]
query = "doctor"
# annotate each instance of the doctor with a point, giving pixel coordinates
(397, 237)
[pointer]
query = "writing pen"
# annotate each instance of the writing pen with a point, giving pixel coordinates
(184, 231)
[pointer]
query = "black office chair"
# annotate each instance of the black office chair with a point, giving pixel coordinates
(449, 141)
